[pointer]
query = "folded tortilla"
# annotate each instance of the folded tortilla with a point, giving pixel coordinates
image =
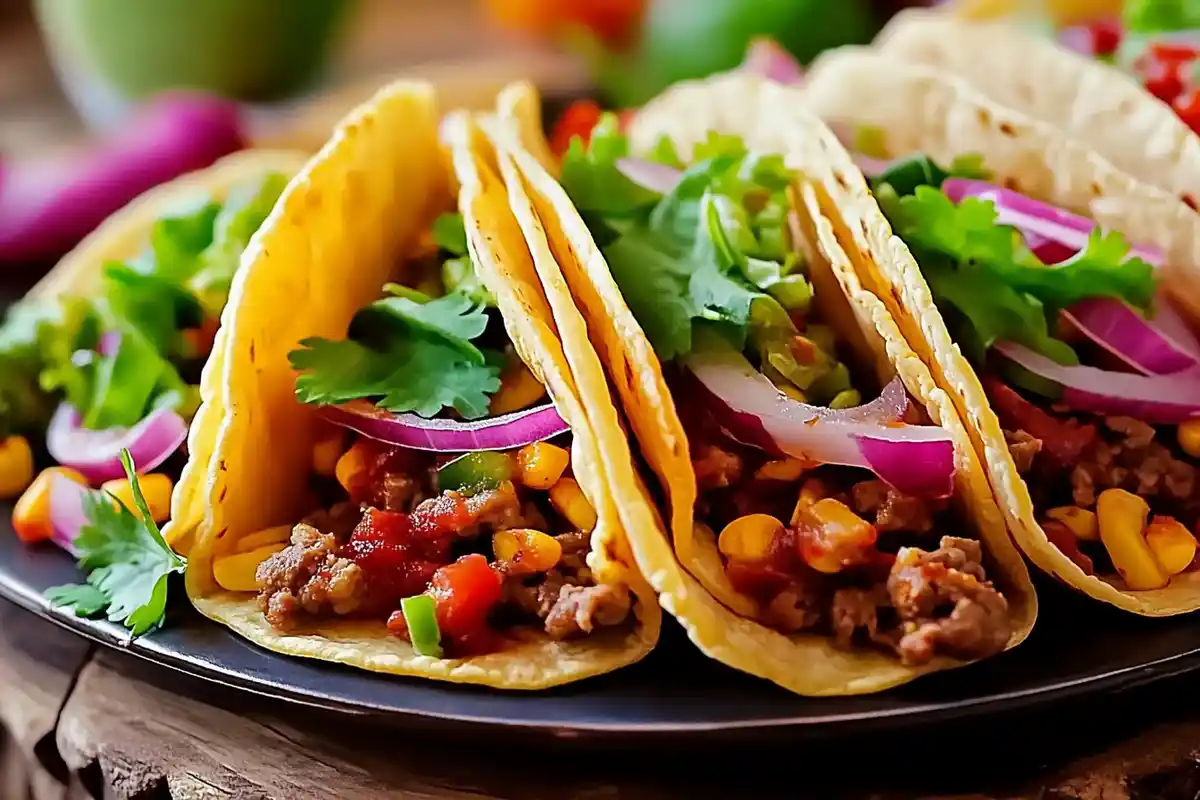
(1099, 105)
(918, 110)
(341, 229)
(682, 564)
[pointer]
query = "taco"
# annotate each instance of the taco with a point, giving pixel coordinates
(1050, 294)
(106, 350)
(738, 345)
(1143, 118)
(401, 475)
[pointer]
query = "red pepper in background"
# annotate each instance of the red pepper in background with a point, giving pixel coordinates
(578, 120)
(1187, 106)
(613, 21)
(1106, 36)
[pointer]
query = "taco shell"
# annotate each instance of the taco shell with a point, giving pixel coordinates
(341, 230)
(682, 565)
(944, 118)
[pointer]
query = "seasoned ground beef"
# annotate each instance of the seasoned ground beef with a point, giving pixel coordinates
(857, 609)
(893, 510)
(800, 606)
(565, 598)
(923, 585)
(1136, 462)
(338, 520)
(308, 577)
(454, 514)
(716, 467)
(1023, 448)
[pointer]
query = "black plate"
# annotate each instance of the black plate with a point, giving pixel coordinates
(1077, 649)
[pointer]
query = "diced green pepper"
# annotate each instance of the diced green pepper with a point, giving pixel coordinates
(420, 614)
(847, 398)
(476, 471)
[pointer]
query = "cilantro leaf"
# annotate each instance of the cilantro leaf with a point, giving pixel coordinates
(590, 176)
(655, 284)
(127, 560)
(454, 319)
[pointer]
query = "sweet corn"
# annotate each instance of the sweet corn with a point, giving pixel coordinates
(785, 469)
(352, 464)
(31, 514)
(518, 389)
(527, 550)
(236, 573)
(1188, 435)
(328, 451)
(749, 538)
(567, 497)
(16, 466)
(156, 488)
(280, 534)
(1122, 520)
(1080, 521)
(542, 464)
(812, 491)
(1172, 544)
(836, 536)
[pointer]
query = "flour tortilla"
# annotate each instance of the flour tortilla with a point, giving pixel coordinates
(341, 229)
(587, 303)
(945, 118)
(1100, 105)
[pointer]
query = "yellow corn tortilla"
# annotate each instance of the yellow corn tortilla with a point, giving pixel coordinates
(682, 566)
(918, 111)
(342, 229)
(1100, 105)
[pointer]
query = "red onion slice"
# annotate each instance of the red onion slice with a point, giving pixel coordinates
(67, 516)
(768, 58)
(649, 174)
(97, 454)
(916, 459)
(1156, 399)
(527, 426)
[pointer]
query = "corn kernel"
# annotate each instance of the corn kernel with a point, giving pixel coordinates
(785, 469)
(1080, 521)
(749, 538)
(542, 464)
(1122, 520)
(812, 491)
(16, 466)
(527, 550)
(567, 497)
(352, 464)
(156, 488)
(31, 514)
(280, 534)
(793, 392)
(327, 451)
(236, 573)
(1172, 544)
(518, 389)
(835, 537)
(1188, 435)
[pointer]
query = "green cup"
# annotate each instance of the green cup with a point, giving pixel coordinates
(109, 54)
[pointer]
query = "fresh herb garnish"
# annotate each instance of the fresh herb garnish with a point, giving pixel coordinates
(458, 272)
(128, 563)
(984, 273)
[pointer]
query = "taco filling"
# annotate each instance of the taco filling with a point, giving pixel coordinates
(118, 366)
(827, 515)
(1089, 369)
(448, 508)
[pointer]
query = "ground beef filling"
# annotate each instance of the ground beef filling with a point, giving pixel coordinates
(1071, 458)
(915, 602)
(359, 560)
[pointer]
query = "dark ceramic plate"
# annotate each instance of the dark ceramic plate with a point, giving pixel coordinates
(1077, 650)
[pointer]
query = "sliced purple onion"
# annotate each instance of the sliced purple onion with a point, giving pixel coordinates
(109, 343)
(67, 517)
(916, 459)
(1156, 399)
(650, 175)
(97, 454)
(527, 426)
(768, 58)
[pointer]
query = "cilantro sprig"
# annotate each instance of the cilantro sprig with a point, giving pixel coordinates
(712, 251)
(128, 563)
(985, 278)
(407, 352)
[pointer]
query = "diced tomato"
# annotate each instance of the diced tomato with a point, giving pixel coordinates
(1065, 442)
(1106, 36)
(1187, 106)
(1061, 537)
(466, 592)
(1164, 79)
(578, 120)
(442, 516)
(394, 563)
(1173, 52)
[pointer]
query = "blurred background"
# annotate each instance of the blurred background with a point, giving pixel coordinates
(89, 88)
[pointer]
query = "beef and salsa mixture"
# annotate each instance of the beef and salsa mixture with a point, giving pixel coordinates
(835, 550)
(494, 539)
